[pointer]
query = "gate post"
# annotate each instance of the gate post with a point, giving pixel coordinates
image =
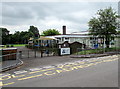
(41, 53)
(20, 53)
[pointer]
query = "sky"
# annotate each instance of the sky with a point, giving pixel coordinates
(19, 16)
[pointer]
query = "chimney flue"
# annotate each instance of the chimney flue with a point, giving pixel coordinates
(64, 30)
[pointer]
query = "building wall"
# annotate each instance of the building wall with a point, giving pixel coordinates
(117, 42)
(83, 40)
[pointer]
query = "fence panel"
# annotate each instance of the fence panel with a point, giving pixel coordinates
(39, 53)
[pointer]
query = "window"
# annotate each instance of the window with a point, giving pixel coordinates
(66, 39)
(59, 39)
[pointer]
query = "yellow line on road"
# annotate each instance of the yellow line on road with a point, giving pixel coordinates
(1, 84)
(30, 77)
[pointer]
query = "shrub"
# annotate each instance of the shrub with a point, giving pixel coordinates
(26, 45)
(12, 45)
(7, 46)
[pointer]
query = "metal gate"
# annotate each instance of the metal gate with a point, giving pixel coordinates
(33, 53)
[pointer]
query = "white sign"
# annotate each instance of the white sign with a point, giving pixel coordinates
(65, 51)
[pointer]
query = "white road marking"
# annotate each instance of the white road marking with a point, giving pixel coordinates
(48, 67)
(35, 69)
(5, 74)
(20, 72)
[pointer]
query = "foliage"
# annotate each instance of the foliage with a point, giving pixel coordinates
(18, 37)
(118, 32)
(4, 35)
(19, 45)
(98, 51)
(33, 31)
(104, 25)
(50, 32)
(7, 46)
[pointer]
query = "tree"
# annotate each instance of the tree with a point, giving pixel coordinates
(33, 32)
(104, 25)
(118, 32)
(5, 36)
(24, 35)
(50, 32)
(18, 37)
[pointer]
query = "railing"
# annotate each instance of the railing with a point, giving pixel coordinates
(35, 53)
(80, 51)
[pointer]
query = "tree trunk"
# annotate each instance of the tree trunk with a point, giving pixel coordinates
(107, 42)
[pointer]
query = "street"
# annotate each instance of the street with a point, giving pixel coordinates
(93, 72)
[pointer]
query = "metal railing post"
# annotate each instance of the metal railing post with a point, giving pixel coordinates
(41, 53)
(20, 54)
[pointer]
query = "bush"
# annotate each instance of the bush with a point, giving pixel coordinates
(12, 45)
(97, 51)
(26, 45)
(7, 46)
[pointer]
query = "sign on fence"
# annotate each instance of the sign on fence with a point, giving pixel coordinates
(64, 51)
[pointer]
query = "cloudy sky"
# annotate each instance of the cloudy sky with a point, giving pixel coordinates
(18, 16)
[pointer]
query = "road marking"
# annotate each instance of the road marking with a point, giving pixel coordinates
(41, 70)
(1, 84)
(49, 73)
(48, 67)
(14, 76)
(5, 78)
(59, 71)
(6, 74)
(8, 84)
(30, 77)
(35, 69)
(20, 72)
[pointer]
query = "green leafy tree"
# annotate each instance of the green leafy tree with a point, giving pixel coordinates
(50, 32)
(4, 36)
(24, 36)
(19, 37)
(104, 25)
(33, 31)
(118, 32)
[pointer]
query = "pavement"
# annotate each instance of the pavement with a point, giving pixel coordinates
(88, 55)
(10, 64)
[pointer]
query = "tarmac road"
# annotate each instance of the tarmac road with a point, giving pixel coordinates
(96, 72)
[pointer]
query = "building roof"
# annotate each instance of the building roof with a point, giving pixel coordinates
(45, 38)
(81, 33)
(69, 36)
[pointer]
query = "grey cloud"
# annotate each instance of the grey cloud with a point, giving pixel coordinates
(26, 13)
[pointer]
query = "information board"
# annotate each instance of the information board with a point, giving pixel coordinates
(65, 51)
